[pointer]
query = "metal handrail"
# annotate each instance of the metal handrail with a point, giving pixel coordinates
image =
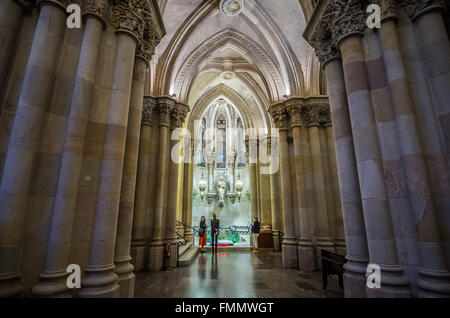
(180, 243)
(280, 239)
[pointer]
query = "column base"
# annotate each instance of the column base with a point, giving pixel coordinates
(10, 286)
(276, 240)
(125, 278)
(435, 284)
(355, 281)
(52, 285)
(155, 256)
(306, 256)
(393, 284)
(100, 282)
(189, 236)
(289, 253)
(137, 254)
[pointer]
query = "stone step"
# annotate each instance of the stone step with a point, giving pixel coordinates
(189, 255)
(184, 248)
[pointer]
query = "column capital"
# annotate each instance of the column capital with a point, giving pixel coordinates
(294, 108)
(389, 9)
(178, 114)
(25, 4)
(97, 9)
(280, 116)
(414, 8)
(62, 4)
(317, 114)
(165, 105)
(147, 111)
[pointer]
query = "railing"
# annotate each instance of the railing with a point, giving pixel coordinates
(183, 242)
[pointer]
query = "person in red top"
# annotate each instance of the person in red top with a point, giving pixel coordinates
(202, 234)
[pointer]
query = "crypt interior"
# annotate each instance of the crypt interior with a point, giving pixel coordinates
(118, 135)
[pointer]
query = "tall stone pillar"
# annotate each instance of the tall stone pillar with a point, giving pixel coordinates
(100, 280)
(155, 253)
(142, 186)
(11, 13)
(339, 235)
(305, 248)
(24, 141)
(275, 191)
(380, 234)
(253, 185)
(178, 115)
(122, 258)
(53, 278)
(434, 280)
(289, 252)
(231, 158)
(187, 204)
(311, 114)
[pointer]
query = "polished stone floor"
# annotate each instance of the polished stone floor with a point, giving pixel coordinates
(234, 274)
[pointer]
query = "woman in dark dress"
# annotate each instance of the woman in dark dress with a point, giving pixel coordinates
(202, 234)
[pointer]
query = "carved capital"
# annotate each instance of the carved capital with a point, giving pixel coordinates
(294, 108)
(147, 111)
(348, 19)
(96, 8)
(165, 106)
(389, 9)
(127, 17)
(317, 115)
(280, 116)
(178, 115)
(414, 8)
(62, 4)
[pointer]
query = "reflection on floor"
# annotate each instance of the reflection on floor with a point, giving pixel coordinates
(234, 274)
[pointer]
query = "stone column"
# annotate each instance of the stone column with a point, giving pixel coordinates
(24, 141)
(53, 278)
(187, 204)
(122, 258)
(100, 279)
(155, 257)
(275, 191)
(336, 214)
(289, 252)
(11, 13)
(323, 240)
(411, 154)
(142, 186)
(351, 204)
(305, 248)
(377, 216)
(231, 158)
(178, 115)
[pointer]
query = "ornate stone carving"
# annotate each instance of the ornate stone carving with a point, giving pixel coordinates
(59, 3)
(415, 7)
(316, 115)
(165, 106)
(294, 108)
(389, 8)
(96, 8)
(25, 4)
(178, 115)
(127, 17)
(147, 111)
(280, 116)
(348, 18)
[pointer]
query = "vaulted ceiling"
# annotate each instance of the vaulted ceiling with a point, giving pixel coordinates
(255, 58)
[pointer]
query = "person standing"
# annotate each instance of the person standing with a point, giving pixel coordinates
(215, 223)
(256, 226)
(202, 234)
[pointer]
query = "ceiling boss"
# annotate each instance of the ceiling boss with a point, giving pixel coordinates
(231, 7)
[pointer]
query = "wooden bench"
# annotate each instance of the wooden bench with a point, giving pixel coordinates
(332, 264)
